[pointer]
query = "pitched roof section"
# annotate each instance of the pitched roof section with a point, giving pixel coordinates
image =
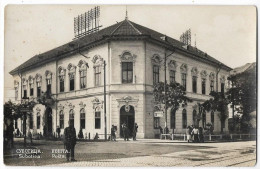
(123, 28)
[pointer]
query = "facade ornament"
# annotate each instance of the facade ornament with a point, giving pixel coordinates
(127, 101)
(126, 56)
(71, 68)
(203, 74)
(24, 81)
(38, 77)
(82, 65)
(222, 79)
(212, 76)
(172, 65)
(61, 107)
(82, 105)
(48, 74)
(97, 60)
(97, 104)
(38, 109)
(31, 79)
(184, 68)
(156, 59)
(71, 106)
(194, 71)
(16, 84)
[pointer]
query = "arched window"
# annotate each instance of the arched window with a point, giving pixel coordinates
(83, 74)
(98, 61)
(38, 120)
(212, 117)
(38, 78)
(184, 118)
(156, 68)
(173, 118)
(61, 78)
(72, 72)
(194, 117)
(71, 117)
(82, 119)
(61, 119)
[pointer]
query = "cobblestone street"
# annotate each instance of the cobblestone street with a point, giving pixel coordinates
(144, 153)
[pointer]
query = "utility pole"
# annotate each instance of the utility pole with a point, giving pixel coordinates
(105, 116)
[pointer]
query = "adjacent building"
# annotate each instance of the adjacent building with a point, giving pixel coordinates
(133, 56)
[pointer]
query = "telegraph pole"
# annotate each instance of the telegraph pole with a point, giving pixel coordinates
(105, 110)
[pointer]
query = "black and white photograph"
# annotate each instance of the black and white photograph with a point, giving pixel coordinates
(123, 85)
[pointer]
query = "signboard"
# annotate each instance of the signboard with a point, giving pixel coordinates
(158, 114)
(25, 109)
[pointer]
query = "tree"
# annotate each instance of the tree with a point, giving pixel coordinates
(175, 95)
(243, 95)
(46, 99)
(218, 103)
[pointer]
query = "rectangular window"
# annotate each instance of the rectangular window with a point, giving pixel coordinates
(72, 82)
(83, 79)
(82, 120)
(156, 121)
(16, 94)
(49, 86)
(38, 89)
(24, 93)
(155, 74)
(172, 76)
(183, 80)
(222, 88)
(203, 86)
(62, 121)
(194, 84)
(61, 84)
(97, 71)
(127, 72)
(31, 121)
(212, 85)
(38, 121)
(97, 120)
(31, 89)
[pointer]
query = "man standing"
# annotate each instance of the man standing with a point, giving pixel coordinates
(70, 140)
(58, 131)
(135, 131)
(113, 133)
(195, 133)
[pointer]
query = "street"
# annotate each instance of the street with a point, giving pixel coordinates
(145, 152)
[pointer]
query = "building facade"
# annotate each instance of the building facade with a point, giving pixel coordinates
(134, 56)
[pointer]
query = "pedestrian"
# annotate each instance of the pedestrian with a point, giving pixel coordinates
(10, 134)
(195, 133)
(201, 135)
(113, 133)
(188, 133)
(135, 131)
(30, 137)
(70, 141)
(58, 131)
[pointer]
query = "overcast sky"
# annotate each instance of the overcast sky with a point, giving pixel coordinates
(228, 33)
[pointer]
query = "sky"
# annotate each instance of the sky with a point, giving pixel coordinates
(228, 33)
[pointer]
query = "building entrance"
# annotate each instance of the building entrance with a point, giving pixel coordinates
(127, 115)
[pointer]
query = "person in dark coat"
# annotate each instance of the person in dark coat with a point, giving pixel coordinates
(113, 133)
(10, 134)
(135, 131)
(70, 141)
(201, 135)
(58, 131)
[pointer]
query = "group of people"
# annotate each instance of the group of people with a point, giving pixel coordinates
(126, 131)
(195, 134)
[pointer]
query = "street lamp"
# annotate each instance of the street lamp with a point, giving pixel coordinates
(25, 101)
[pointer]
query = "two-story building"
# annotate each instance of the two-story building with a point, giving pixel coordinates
(74, 74)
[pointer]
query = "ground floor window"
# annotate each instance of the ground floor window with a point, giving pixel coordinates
(71, 117)
(82, 119)
(38, 120)
(184, 118)
(173, 119)
(97, 120)
(156, 122)
(61, 119)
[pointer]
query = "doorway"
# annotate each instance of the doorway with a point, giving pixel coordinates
(127, 115)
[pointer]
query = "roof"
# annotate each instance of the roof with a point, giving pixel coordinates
(245, 68)
(124, 28)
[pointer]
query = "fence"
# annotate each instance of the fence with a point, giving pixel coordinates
(211, 137)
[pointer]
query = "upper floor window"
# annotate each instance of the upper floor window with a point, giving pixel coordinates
(16, 87)
(31, 85)
(194, 84)
(62, 73)
(127, 63)
(172, 76)
(222, 88)
(24, 82)
(184, 69)
(203, 86)
(183, 80)
(83, 74)
(97, 71)
(38, 78)
(212, 85)
(72, 71)
(127, 72)
(72, 82)
(156, 74)
(48, 75)
(31, 89)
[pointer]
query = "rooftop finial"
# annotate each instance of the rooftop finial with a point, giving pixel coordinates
(126, 17)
